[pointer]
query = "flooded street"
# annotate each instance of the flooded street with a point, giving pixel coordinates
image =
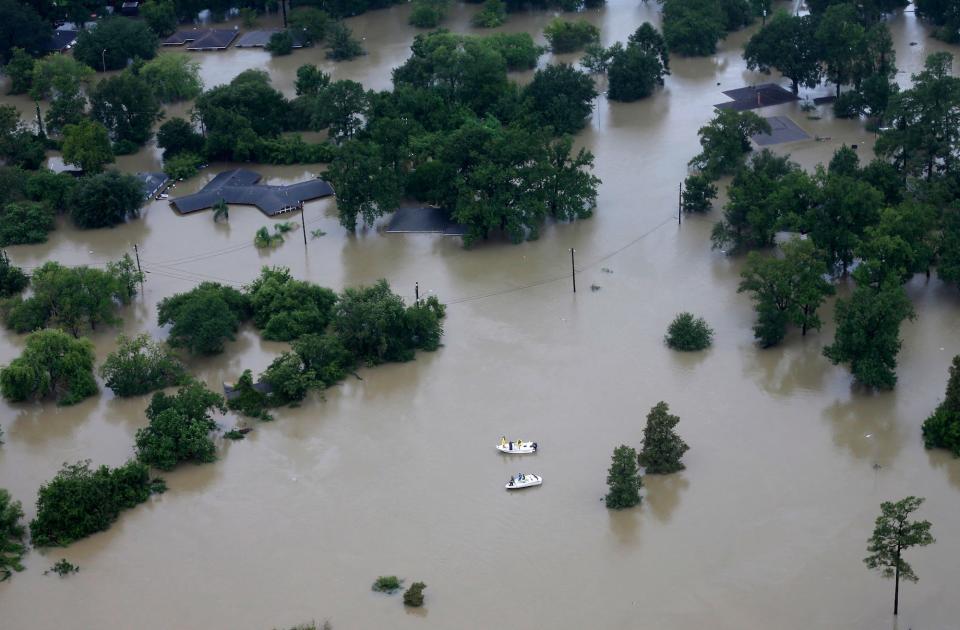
(396, 473)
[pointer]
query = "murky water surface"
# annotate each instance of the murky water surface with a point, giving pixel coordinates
(396, 473)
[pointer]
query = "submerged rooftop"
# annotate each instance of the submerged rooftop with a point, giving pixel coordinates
(240, 186)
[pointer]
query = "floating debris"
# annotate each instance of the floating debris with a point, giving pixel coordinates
(606, 270)
(595, 287)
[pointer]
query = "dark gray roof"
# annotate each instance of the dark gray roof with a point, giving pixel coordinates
(240, 187)
(215, 39)
(259, 39)
(782, 129)
(424, 220)
(152, 183)
(757, 96)
(60, 40)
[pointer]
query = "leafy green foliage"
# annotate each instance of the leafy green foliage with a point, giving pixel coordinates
(281, 43)
(19, 70)
(52, 365)
(12, 279)
(387, 584)
(413, 596)
(942, 428)
(868, 331)
(176, 136)
(87, 145)
(160, 16)
(63, 568)
(288, 378)
(726, 141)
(25, 222)
(562, 97)
(341, 44)
(786, 290)
(325, 356)
(22, 28)
(623, 479)
(19, 146)
(662, 447)
(121, 38)
(787, 44)
(688, 333)
(79, 501)
(428, 13)
(310, 22)
(366, 187)
(698, 194)
(141, 365)
(126, 105)
(491, 15)
(183, 166)
(565, 36)
(893, 534)
(173, 77)
(248, 400)
(105, 200)
(180, 427)
(636, 70)
(203, 319)
(286, 309)
(12, 534)
(693, 27)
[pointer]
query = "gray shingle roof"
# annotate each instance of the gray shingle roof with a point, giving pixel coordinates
(240, 187)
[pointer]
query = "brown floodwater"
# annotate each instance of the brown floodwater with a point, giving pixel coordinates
(396, 473)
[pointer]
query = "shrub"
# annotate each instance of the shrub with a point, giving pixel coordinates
(281, 43)
(342, 44)
(387, 584)
(325, 356)
(182, 166)
(25, 222)
(698, 194)
(203, 319)
(492, 15)
(79, 501)
(288, 378)
(121, 38)
(623, 479)
(662, 447)
(428, 13)
(105, 200)
(141, 365)
(414, 595)
(12, 533)
(52, 365)
(63, 568)
(285, 308)
(180, 427)
(248, 401)
(688, 333)
(567, 37)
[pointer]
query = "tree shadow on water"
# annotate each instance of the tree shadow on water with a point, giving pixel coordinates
(663, 494)
(625, 525)
(784, 370)
(942, 458)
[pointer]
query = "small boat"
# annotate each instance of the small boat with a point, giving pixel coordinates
(522, 480)
(518, 447)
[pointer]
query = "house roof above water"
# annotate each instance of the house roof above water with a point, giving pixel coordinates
(240, 186)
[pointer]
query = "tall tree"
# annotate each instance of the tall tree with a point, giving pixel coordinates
(105, 200)
(21, 27)
(868, 331)
(662, 448)
(52, 365)
(173, 77)
(837, 224)
(561, 97)
(623, 479)
(87, 145)
(365, 187)
(12, 534)
(203, 319)
(726, 141)
(839, 36)
(893, 534)
(126, 105)
(114, 42)
(786, 44)
(571, 190)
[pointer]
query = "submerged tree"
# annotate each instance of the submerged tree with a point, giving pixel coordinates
(893, 534)
(689, 333)
(662, 447)
(12, 534)
(942, 428)
(52, 365)
(140, 365)
(180, 427)
(623, 479)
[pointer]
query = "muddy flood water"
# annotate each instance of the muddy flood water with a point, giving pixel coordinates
(396, 473)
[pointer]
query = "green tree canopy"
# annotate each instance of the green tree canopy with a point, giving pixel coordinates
(12, 534)
(942, 428)
(176, 136)
(726, 141)
(688, 333)
(87, 145)
(868, 331)
(893, 534)
(173, 77)
(286, 309)
(203, 319)
(126, 105)
(105, 200)
(79, 501)
(52, 365)
(662, 448)
(12, 278)
(564, 36)
(180, 427)
(160, 16)
(115, 41)
(787, 44)
(623, 479)
(21, 27)
(561, 97)
(140, 365)
(25, 222)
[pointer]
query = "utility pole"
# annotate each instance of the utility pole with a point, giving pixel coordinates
(283, 11)
(103, 59)
(680, 203)
(573, 270)
(136, 252)
(40, 131)
(303, 223)
(416, 292)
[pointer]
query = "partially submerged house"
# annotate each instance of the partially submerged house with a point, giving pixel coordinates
(240, 186)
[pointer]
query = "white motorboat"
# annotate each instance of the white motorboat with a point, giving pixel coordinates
(518, 447)
(522, 480)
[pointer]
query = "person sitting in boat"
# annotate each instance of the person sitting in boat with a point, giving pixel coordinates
(519, 444)
(503, 441)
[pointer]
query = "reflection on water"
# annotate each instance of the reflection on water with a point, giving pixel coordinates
(395, 472)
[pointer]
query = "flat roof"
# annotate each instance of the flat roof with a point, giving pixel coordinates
(259, 39)
(424, 220)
